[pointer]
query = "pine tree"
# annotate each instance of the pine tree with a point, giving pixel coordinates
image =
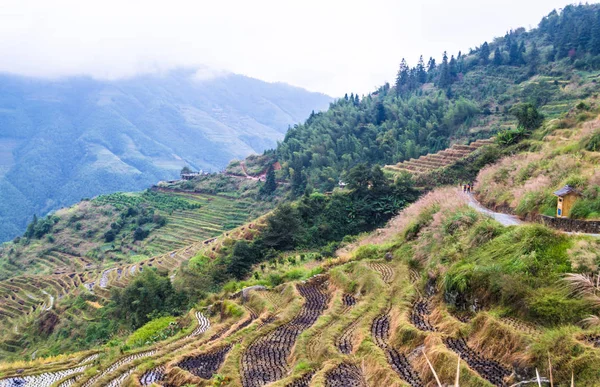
(421, 73)
(430, 66)
(270, 184)
(379, 113)
(533, 59)
(356, 100)
(514, 55)
(594, 45)
(497, 57)
(484, 53)
(402, 78)
(453, 69)
(444, 80)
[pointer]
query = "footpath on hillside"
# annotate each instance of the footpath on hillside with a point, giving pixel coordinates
(504, 219)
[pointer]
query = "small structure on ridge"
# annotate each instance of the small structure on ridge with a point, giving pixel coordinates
(567, 196)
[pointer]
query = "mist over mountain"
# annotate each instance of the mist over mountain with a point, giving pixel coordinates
(62, 140)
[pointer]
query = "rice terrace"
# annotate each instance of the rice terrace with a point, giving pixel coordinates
(442, 229)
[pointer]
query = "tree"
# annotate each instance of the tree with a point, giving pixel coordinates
(453, 69)
(363, 181)
(244, 255)
(527, 115)
(298, 179)
(421, 72)
(514, 55)
(430, 66)
(31, 227)
(270, 184)
(379, 113)
(534, 58)
(484, 53)
(140, 234)
(497, 57)
(444, 79)
(186, 170)
(402, 78)
(149, 295)
(594, 44)
(282, 228)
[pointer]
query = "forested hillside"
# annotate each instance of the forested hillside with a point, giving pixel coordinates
(465, 96)
(357, 277)
(67, 139)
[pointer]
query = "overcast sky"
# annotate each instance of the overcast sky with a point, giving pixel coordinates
(331, 46)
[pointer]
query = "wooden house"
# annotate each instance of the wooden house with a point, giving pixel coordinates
(567, 196)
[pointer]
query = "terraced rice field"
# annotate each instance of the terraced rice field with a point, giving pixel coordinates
(185, 233)
(265, 360)
(442, 159)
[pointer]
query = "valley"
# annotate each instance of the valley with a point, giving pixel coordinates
(351, 254)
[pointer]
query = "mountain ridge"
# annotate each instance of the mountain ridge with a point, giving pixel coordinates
(78, 137)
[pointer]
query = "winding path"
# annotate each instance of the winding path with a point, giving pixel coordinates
(503, 219)
(506, 219)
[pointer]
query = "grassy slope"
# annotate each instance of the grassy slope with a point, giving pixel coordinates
(509, 274)
(557, 155)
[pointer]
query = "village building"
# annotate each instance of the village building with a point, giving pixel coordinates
(567, 196)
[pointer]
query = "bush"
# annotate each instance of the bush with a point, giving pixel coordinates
(511, 136)
(585, 208)
(109, 236)
(148, 296)
(553, 307)
(140, 234)
(155, 330)
(592, 143)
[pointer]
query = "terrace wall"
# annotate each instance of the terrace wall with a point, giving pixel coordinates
(572, 225)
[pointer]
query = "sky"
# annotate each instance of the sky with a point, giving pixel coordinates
(330, 46)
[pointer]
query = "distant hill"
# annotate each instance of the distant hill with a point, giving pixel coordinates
(61, 140)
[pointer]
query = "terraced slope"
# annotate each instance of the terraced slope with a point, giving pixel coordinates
(375, 317)
(442, 159)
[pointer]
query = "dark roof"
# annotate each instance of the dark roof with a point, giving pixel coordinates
(567, 189)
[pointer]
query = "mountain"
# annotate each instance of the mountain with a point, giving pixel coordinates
(302, 280)
(62, 140)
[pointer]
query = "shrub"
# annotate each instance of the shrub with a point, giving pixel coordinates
(592, 143)
(511, 136)
(155, 330)
(140, 234)
(585, 208)
(552, 307)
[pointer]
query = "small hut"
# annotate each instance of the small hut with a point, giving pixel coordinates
(567, 196)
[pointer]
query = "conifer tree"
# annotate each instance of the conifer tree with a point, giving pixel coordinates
(453, 68)
(497, 57)
(444, 80)
(594, 44)
(402, 78)
(534, 58)
(484, 53)
(431, 65)
(270, 184)
(421, 73)
(514, 55)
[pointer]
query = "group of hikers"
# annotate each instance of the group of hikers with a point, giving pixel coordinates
(467, 188)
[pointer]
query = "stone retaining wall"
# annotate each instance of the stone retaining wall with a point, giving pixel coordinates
(573, 225)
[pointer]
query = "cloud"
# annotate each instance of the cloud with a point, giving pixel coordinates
(333, 46)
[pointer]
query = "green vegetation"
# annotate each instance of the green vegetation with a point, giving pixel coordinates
(158, 329)
(315, 221)
(466, 96)
(56, 156)
(148, 296)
